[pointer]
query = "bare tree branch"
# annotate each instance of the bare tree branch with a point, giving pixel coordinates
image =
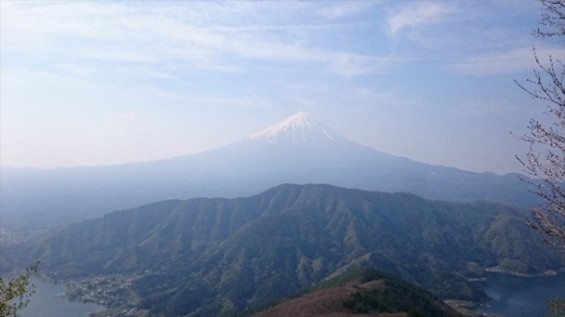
(545, 159)
(552, 19)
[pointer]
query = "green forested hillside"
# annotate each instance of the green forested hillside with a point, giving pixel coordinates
(206, 257)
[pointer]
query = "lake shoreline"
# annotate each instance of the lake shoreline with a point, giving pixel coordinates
(49, 300)
(498, 269)
(520, 294)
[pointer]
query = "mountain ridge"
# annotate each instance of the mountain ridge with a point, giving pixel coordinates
(362, 292)
(229, 255)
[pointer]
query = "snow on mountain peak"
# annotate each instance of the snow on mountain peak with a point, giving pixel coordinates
(300, 127)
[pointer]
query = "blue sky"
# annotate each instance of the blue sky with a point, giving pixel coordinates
(92, 83)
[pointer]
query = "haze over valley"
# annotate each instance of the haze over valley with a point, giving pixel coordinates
(297, 149)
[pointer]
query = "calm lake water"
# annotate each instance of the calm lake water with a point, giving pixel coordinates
(516, 296)
(47, 302)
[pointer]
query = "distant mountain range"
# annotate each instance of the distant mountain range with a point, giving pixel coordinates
(216, 256)
(296, 150)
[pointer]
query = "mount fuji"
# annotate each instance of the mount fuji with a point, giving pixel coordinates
(298, 128)
(298, 150)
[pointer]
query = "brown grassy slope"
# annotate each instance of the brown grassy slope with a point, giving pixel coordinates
(326, 302)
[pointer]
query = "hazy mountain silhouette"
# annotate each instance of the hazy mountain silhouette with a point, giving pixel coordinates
(297, 150)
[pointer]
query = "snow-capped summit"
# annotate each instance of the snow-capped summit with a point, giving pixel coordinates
(301, 127)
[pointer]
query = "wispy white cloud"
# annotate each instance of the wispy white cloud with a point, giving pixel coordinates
(246, 100)
(32, 78)
(417, 14)
(254, 101)
(510, 61)
(338, 10)
(352, 65)
(113, 32)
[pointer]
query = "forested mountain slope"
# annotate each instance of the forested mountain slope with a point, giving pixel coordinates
(219, 256)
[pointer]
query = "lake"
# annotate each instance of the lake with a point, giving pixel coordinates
(48, 302)
(516, 296)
